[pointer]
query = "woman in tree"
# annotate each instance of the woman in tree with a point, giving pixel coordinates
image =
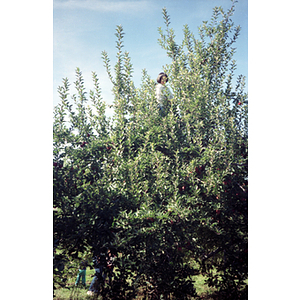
(162, 92)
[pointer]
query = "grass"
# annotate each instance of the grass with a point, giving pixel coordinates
(80, 293)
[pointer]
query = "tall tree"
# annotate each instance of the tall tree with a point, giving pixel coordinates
(162, 190)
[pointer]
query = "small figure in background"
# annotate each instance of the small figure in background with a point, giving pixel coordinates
(162, 92)
(81, 274)
(99, 264)
(111, 256)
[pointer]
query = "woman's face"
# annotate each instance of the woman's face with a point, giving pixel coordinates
(163, 80)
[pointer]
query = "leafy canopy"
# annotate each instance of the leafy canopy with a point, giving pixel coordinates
(167, 192)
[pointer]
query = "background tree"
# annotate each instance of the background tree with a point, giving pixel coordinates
(169, 193)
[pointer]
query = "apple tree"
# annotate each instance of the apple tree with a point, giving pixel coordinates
(167, 192)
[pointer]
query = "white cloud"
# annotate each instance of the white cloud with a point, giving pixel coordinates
(130, 6)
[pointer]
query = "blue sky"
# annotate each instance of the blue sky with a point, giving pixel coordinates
(82, 29)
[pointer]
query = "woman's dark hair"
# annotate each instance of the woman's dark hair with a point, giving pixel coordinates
(160, 76)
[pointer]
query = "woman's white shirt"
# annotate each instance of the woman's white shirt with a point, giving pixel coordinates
(162, 93)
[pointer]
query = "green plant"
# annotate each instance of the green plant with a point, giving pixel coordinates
(161, 190)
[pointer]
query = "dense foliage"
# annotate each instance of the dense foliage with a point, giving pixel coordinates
(167, 191)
